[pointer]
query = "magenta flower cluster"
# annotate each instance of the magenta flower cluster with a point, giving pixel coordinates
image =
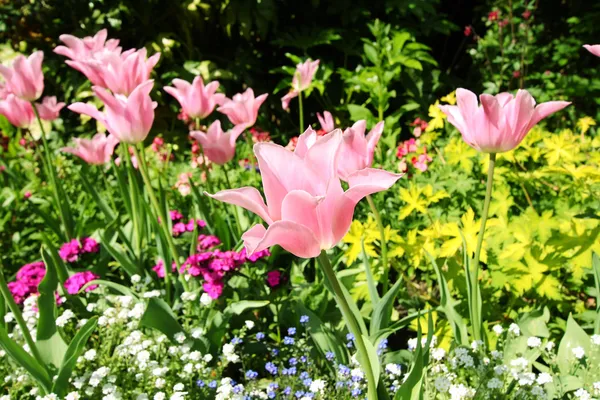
(76, 281)
(71, 251)
(27, 281)
(180, 227)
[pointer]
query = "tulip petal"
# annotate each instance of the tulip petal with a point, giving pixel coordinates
(293, 237)
(301, 207)
(87, 109)
(246, 197)
(322, 157)
(545, 109)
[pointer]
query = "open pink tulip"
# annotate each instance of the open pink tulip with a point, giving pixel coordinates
(305, 72)
(357, 149)
(97, 150)
(128, 118)
(243, 108)
(307, 209)
(217, 145)
(18, 112)
(25, 78)
(49, 108)
(196, 100)
(82, 49)
(326, 121)
(501, 122)
(593, 48)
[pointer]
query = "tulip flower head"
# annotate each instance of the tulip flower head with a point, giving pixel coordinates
(196, 100)
(83, 49)
(357, 149)
(18, 112)
(501, 122)
(218, 146)
(305, 72)
(25, 78)
(49, 108)
(326, 121)
(96, 151)
(128, 118)
(593, 48)
(242, 109)
(307, 209)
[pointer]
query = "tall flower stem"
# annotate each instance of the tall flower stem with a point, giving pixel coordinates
(476, 295)
(235, 209)
(63, 206)
(352, 324)
(133, 196)
(301, 112)
(382, 242)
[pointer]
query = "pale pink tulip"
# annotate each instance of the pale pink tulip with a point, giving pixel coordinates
(4, 92)
(326, 121)
(18, 112)
(307, 209)
(218, 146)
(97, 150)
(82, 49)
(128, 118)
(25, 78)
(593, 48)
(501, 122)
(196, 100)
(357, 149)
(243, 108)
(48, 109)
(305, 72)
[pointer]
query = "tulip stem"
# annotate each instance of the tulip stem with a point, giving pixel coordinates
(62, 207)
(476, 295)
(382, 243)
(235, 209)
(301, 113)
(351, 323)
(134, 198)
(164, 222)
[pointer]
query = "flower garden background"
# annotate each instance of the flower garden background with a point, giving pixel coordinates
(238, 206)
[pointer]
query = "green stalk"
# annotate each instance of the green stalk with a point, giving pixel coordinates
(475, 297)
(352, 324)
(235, 209)
(52, 176)
(133, 196)
(108, 188)
(301, 113)
(383, 244)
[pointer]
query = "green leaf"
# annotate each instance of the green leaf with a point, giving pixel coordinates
(373, 294)
(122, 258)
(412, 388)
(125, 291)
(106, 210)
(359, 112)
(240, 306)
(159, 316)
(21, 357)
(404, 322)
(370, 53)
(596, 271)
(574, 337)
(373, 358)
(50, 344)
(57, 263)
(76, 347)
(534, 323)
(383, 311)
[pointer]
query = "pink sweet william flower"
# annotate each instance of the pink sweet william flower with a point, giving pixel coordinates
(242, 109)
(421, 162)
(213, 289)
(25, 78)
(326, 121)
(96, 151)
(89, 245)
(273, 278)
(70, 251)
(219, 146)
(501, 122)
(128, 118)
(19, 290)
(196, 100)
(49, 108)
(593, 48)
(305, 72)
(307, 209)
(18, 111)
(357, 149)
(82, 49)
(78, 280)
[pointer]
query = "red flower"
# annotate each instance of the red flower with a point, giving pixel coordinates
(468, 30)
(517, 74)
(503, 23)
(526, 14)
(493, 15)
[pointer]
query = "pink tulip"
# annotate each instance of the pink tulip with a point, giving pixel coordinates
(593, 48)
(25, 78)
(48, 109)
(4, 92)
(326, 121)
(196, 100)
(128, 118)
(307, 209)
(357, 150)
(97, 150)
(218, 146)
(18, 112)
(303, 77)
(501, 122)
(243, 108)
(82, 49)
